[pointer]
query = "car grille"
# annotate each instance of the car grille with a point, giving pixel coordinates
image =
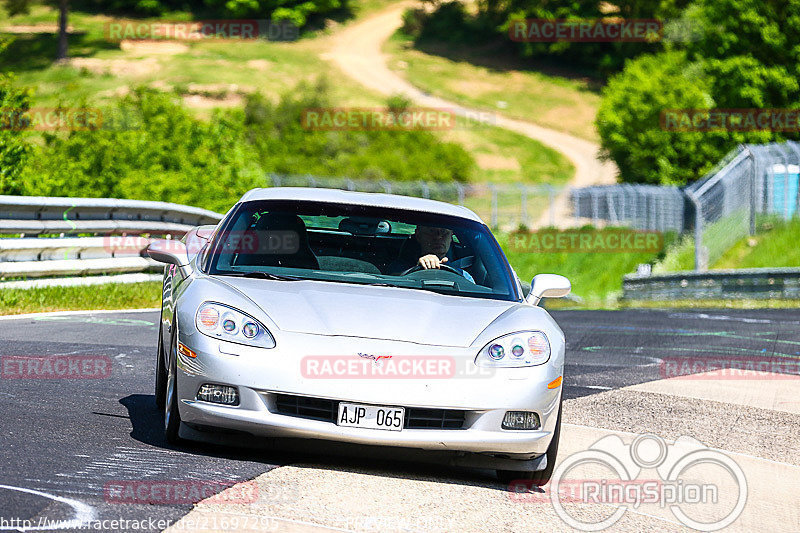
(326, 411)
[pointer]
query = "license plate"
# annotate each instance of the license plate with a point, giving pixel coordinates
(356, 415)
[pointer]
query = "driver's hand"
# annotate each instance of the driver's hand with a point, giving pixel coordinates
(431, 261)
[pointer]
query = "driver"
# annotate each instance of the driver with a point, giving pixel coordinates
(428, 248)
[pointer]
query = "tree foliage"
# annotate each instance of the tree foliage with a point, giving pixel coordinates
(745, 55)
(14, 150)
(151, 148)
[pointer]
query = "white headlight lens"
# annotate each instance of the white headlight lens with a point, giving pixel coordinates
(528, 348)
(229, 325)
(496, 352)
(250, 329)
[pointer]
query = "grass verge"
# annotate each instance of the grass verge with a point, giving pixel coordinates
(489, 79)
(106, 296)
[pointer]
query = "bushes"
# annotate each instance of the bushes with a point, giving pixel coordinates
(14, 151)
(628, 121)
(744, 56)
(151, 148)
(296, 11)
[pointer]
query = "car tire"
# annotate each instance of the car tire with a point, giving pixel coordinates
(172, 417)
(161, 372)
(541, 477)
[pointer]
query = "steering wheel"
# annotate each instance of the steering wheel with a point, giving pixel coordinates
(417, 268)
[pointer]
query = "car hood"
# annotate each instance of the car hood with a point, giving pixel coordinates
(409, 315)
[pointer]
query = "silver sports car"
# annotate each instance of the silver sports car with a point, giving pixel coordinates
(370, 319)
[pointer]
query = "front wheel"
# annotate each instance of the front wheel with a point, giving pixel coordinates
(541, 477)
(172, 418)
(161, 373)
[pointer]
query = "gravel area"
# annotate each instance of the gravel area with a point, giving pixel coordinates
(762, 433)
(374, 498)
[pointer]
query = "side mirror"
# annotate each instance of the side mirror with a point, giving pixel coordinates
(172, 252)
(205, 232)
(548, 286)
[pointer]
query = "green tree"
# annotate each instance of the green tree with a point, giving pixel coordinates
(14, 150)
(743, 54)
(628, 120)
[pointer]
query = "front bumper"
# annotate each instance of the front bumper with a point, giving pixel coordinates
(261, 374)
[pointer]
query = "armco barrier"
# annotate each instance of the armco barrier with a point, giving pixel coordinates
(68, 251)
(739, 284)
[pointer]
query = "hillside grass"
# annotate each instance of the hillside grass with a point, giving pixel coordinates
(775, 245)
(491, 79)
(215, 74)
(596, 277)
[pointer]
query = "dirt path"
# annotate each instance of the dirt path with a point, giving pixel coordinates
(356, 50)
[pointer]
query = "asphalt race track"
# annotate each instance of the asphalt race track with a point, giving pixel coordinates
(65, 440)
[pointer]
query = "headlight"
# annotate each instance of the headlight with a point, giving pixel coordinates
(226, 323)
(526, 348)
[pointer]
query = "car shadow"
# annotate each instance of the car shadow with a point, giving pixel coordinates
(147, 422)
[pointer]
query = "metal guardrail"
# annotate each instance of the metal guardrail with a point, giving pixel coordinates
(114, 247)
(751, 284)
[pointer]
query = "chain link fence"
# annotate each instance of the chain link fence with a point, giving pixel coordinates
(503, 206)
(643, 207)
(752, 181)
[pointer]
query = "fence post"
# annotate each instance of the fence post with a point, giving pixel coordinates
(460, 189)
(753, 172)
(523, 200)
(698, 233)
(550, 197)
(426, 192)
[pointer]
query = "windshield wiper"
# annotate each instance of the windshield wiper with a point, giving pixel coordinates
(266, 275)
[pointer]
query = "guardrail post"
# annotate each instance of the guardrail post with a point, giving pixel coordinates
(460, 189)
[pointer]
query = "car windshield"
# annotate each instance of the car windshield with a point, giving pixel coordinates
(290, 240)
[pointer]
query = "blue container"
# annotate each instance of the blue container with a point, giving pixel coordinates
(785, 181)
